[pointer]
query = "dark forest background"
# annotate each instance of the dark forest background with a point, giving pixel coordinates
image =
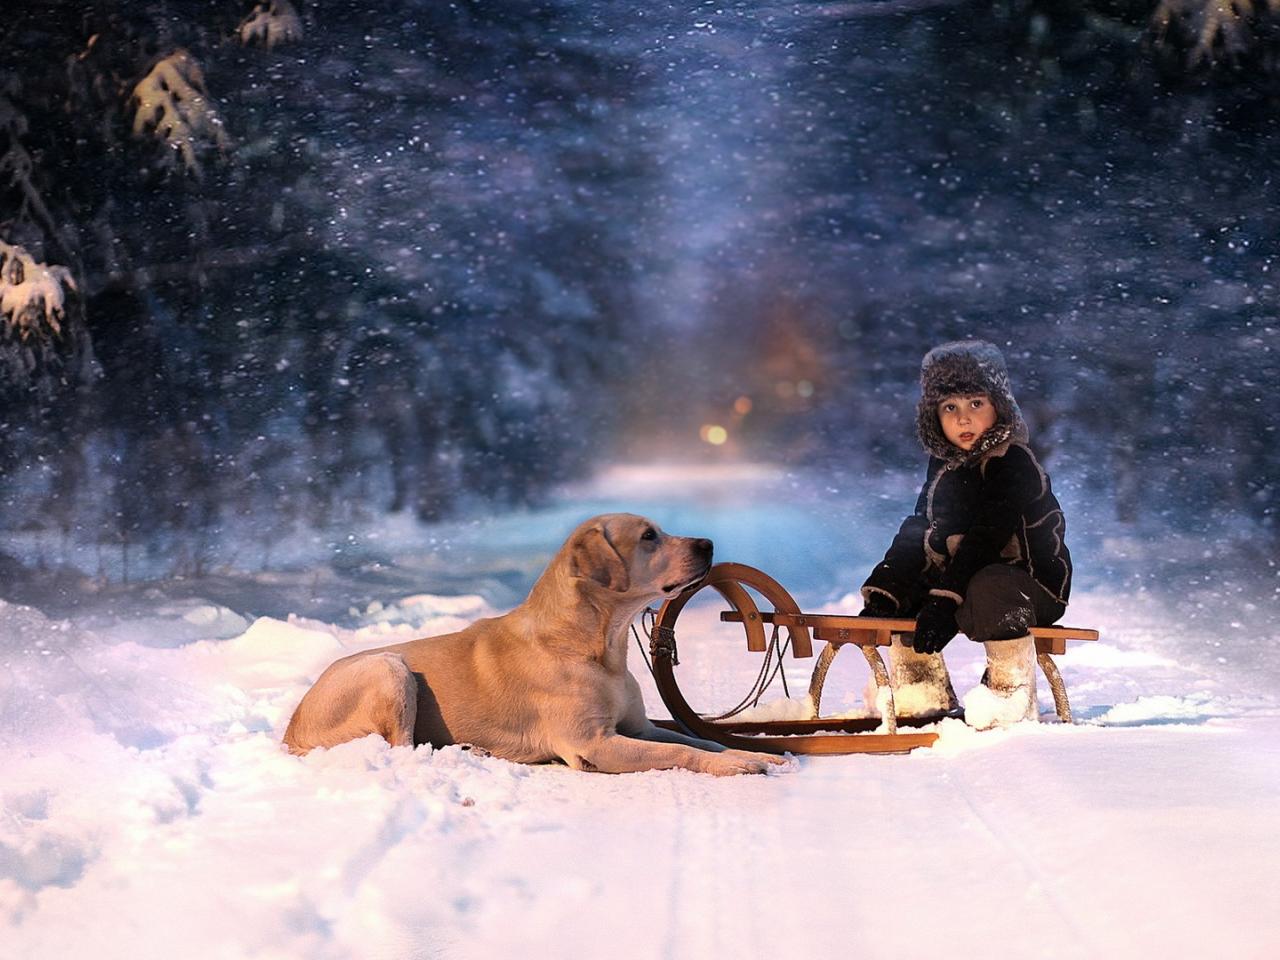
(428, 256)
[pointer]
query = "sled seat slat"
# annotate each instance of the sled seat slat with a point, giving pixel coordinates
(876, 631)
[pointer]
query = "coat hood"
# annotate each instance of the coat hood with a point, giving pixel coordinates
(966, 367)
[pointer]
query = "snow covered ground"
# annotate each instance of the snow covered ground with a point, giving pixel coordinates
(148, 810)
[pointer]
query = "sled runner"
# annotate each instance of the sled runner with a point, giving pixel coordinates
(817, 735)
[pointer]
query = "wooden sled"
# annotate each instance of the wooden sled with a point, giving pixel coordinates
(815, 736)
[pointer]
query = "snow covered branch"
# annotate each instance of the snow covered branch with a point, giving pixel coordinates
(1215, 28)
(272, 22)
(32, 295)
(17, 165)
(171, 103)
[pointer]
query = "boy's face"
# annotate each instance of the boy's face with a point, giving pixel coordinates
(966, 418)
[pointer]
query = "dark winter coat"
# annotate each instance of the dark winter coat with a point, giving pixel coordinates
(999, 509)
(990, 504)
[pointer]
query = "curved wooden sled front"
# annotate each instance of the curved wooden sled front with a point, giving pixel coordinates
(729, 579)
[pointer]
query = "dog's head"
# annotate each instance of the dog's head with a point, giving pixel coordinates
(627, 554)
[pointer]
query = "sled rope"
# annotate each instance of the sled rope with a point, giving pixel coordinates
(664, 640)
(647, 662)
(764, 679)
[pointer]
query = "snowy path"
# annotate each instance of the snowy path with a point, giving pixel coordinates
(147, 810)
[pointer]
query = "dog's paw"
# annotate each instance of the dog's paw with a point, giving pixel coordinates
(729, 763)
(785, 764)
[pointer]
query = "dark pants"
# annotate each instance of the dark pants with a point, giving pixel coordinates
(1004, 602)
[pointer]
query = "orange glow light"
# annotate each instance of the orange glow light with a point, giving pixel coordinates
(713, 434)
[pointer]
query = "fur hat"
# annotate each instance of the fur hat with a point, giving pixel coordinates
(965, 368)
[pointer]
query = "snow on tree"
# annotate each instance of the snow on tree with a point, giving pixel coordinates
(272, 22)
(171, 103)
(1215, 29)
(17, 165)
(32, 298)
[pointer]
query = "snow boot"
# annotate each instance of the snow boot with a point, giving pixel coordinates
(1007, 694)
(921, 683)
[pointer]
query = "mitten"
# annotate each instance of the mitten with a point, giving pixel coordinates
(935, 624)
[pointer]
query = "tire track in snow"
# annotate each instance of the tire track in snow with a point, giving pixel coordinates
(730, 843)
(670, 935)
(1043, 884)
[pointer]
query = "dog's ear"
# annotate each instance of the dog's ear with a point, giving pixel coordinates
(594, 558)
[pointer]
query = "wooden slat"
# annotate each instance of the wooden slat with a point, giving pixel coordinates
(867, 631)
(748, 614)
(878, 638)
(1054, 644)
(787, 728)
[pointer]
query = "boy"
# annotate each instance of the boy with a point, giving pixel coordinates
(983, 553)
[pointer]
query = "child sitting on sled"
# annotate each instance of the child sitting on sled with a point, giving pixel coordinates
(983, 553)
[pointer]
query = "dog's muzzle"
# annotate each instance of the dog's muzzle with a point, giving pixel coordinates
(682, 586)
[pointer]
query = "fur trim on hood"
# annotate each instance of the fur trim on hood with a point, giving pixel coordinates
(965, 368)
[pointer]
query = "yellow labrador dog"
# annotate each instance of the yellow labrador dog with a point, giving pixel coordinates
(547, 681)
